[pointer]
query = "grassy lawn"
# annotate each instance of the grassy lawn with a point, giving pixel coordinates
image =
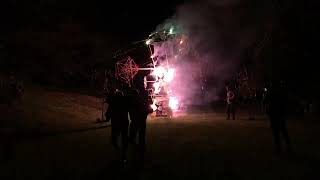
(68, 144)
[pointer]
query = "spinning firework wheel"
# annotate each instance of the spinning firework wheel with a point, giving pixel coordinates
(126, 69)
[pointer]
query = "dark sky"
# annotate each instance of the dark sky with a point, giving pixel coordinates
(134, 19)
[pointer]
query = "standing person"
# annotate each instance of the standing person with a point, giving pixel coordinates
(118, 113)
(230, 103)
(277, 112)
(253, 103)
(139, 110)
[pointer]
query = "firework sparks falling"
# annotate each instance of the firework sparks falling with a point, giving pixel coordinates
(166, 51)
(167, 48)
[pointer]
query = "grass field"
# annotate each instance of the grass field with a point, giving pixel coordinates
(58, 138)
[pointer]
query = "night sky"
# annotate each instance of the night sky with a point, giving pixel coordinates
(125, 22)
(131, 20)
(128, 20)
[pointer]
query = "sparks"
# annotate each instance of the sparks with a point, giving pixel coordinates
(173, 103)
(166, 48)
(168, 77)
(148, 41)
(171, 30)
(159, 72)
(157, 87)
(153, 105)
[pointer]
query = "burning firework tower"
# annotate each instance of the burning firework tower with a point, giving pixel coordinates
(167, 50)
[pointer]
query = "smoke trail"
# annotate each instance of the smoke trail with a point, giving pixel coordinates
(220, 32)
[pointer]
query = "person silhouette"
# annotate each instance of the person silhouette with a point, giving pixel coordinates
(139, 110)
(118, 113)
(277, 111)
(230, 99)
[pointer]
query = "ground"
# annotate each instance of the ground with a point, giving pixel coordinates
(56, 137)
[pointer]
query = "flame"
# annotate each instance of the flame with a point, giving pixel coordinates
(153, 105)
(157, 87)
(173, 103)
(148, 41)
(166, 74)
(169, 75)
(163, 77)
(159, 71)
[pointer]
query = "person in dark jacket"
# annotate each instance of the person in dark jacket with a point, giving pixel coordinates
(118, 113)
(139, 110)
(277, 111)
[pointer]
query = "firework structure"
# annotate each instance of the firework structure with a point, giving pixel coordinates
(166, 49)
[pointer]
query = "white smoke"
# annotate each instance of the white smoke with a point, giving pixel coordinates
(220, 32)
